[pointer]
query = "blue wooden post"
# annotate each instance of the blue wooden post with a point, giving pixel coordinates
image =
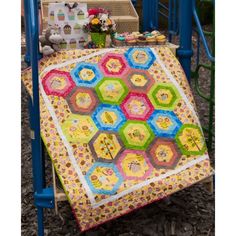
(185, 51)
(134, 2)
(170, 20)
(27, 30)
(37, 159)
(150, 14)
(37, 165)
(175, 18)
(27, 18)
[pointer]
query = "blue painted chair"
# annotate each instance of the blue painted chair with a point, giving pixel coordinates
(44, 197)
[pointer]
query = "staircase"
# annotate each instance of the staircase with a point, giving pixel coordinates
(122, 11)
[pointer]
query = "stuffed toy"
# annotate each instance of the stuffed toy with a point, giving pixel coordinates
(50, 41)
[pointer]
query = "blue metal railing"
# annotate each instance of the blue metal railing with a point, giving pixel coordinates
(201, 33)
(210, 66)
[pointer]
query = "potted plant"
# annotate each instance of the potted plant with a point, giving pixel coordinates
(100, 24)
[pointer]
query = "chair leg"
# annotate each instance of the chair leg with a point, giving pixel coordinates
(54, 189)
(209, 184)
(40, 221)
(43, 162)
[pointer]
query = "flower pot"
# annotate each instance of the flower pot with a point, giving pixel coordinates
(99, 39)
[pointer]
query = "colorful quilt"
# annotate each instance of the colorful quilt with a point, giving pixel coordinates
(121, 128)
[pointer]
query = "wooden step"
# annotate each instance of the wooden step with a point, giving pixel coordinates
(115, 18)
(117, 7)
(124, 18)
(122, 11)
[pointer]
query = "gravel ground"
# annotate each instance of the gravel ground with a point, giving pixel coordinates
(188, 212)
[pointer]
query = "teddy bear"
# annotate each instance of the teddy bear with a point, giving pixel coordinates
(50, 41)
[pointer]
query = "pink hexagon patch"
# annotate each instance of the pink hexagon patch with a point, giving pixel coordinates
(136, 106)
(113, 65)
(58, 83)
(134, 165)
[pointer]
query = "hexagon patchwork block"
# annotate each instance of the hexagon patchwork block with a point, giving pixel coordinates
(164, 153)
(106, 146)
(191, 140)
(134, 165)
(136, 106)
(140, 58)
(108, 117)
(86, 74)
(164, 96)
(79, 128)
(164, 123)
(139, 80)
(58, 83)
(104, 178)
(113, 65)
(82, 100)
(111, 90)
(136, 134)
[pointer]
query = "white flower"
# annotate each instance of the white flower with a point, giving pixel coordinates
(103, 19)
(104, 28)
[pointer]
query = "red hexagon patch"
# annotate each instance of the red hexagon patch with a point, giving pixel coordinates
(136, 106)
(113, 65)
(58, 83)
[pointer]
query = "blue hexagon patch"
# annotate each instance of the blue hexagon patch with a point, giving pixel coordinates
(140, 58)
(164, 123)
(86, 74)
(104, 178)
(108, 117)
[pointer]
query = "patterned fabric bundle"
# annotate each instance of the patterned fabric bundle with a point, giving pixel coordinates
(121, 128)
